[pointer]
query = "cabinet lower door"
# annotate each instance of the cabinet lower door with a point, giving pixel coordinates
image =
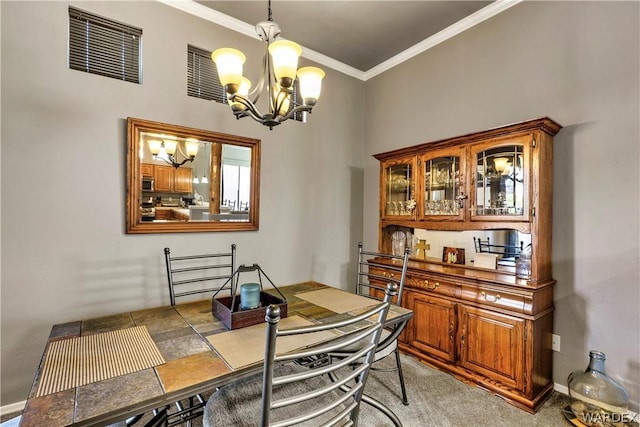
(163, 178)
(432, 329)
(492, 344)
(183, 182)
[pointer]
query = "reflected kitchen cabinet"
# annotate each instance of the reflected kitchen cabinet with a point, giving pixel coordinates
(168, 179)
(183, 180)
(163, 178)
(146, 169)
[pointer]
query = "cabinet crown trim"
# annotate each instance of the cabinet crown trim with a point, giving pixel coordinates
(544, 124)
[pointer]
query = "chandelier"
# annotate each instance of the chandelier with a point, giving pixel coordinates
(278, 77)
(167, 149)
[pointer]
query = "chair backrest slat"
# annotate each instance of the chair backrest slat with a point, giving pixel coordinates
(187, 273)
(370, 282)
(335, 408)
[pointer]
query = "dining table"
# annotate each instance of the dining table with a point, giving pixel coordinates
(107, 369)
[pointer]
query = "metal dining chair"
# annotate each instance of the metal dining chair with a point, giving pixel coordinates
(375, 270)
(286, 393)
(196, 274)
(191, 275)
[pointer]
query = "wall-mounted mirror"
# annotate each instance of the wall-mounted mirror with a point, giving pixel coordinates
(505, 243)
(182, 179)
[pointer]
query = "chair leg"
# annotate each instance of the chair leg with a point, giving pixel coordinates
(370, 401)
(382, 408)
(405, 401)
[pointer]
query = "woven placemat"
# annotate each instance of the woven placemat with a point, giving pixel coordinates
(337, 300)
(84, 360)
(245, 346)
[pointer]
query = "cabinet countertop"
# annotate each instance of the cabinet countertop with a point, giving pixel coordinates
(182, 211)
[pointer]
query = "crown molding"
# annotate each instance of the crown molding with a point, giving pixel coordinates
(453, 30)
(204, 12)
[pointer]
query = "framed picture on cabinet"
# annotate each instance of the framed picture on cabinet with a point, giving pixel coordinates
(453, 255)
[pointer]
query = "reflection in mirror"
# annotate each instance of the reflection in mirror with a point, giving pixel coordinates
(182, 179)
(505, 244)
(500, 181)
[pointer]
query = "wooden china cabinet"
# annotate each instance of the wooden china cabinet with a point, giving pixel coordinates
(486, 326)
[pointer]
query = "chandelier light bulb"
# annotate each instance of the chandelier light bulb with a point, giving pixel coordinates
(310, 84)
(155, 146)
(192, 147)
(229, 65)
(170, 145)
(500, 163)
(285, 56)
(243, 91)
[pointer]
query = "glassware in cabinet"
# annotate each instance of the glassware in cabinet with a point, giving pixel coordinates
(443, 185)
(398, 188)
(500, 178)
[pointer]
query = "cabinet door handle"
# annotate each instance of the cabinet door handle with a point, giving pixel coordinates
(460, 197)
(490, 298)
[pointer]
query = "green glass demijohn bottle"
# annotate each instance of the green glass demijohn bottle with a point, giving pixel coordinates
(596, 399)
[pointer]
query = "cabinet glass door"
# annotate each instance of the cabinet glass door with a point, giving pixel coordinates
(443, 176)
(501, 181)
(398, 187)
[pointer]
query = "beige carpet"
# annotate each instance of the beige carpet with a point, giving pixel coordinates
(439, 400)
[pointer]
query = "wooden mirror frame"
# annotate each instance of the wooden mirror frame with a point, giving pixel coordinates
(135, 225)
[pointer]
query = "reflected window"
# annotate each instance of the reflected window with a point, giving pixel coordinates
(236, 177)
(236, 183)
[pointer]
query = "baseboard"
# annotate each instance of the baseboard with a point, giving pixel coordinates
(561, 388)
(12, 407)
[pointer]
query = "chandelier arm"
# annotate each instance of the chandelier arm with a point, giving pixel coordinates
(298, 109)
(266, 63)
(278, 100)
(258, 119)
(177, 165)
(171, 161)
(251, 109)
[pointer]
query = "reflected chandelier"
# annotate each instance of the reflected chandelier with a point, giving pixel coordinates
(167, 149)
(278, 76)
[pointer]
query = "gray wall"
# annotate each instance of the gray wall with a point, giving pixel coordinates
(576, 62)
(65, 255)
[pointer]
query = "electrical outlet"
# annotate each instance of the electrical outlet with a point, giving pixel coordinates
(555, 342)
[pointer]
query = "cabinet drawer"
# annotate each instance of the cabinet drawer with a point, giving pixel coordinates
(495, 298)
(385, 273)
(437, 286)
